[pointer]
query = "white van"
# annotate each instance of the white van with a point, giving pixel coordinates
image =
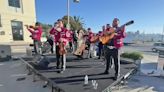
(157, 47)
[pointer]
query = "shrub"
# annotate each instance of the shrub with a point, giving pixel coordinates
(132, 55)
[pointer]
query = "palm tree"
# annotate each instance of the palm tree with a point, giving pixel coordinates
(46, 29)
(78, 23)
(75, 22)
(65, 20)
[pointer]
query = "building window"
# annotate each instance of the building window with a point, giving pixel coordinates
(14, 3)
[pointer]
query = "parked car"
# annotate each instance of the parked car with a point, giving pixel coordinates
(157, 47)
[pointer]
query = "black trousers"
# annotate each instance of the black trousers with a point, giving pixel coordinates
(59, 58)
(100, 48)
(51, 43)
(71, 47)
(115, 54)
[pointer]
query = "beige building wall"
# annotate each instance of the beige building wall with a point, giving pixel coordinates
(26, 14)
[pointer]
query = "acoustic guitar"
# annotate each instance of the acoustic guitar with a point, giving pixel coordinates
(107, 37)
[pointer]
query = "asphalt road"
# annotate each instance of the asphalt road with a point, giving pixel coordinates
(143, 49)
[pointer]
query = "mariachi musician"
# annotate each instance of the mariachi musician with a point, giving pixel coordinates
(61, 36)
(113, 40)
(112, 48)
(80, 44)
(36, 33)
(91, 45)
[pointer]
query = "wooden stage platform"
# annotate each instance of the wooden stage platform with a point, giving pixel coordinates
(72, 79)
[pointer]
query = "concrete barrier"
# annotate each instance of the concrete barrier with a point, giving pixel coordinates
(160, 66)
(5, 52)
(28, 51)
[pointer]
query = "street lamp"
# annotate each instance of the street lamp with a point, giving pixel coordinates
(68, 12)
(76, 1)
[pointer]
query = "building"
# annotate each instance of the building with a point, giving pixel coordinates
(14, 14)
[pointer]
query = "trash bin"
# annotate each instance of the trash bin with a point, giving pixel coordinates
(138, 63)
(28, 51)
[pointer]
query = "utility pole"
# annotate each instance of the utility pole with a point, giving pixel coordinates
(68, 11)
(68, 8)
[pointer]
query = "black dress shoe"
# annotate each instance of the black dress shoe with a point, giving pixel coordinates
(58, 71)
(81, 57)
(106, 72)
(116, 77)
(57, 67)
(61, 71)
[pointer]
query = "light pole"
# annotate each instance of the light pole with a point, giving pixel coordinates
(68, 12)
(68, 8)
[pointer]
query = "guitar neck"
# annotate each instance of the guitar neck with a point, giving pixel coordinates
(129, 23)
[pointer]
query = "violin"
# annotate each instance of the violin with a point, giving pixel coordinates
(62, 50)
(31, 26)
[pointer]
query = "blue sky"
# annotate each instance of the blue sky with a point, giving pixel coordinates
(147, 14)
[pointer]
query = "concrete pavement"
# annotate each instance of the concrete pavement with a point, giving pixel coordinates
(14, 78)
(143, 82)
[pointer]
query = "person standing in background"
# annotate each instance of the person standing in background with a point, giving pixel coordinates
(75, 38)
(103, 28)
(90, 35)
(50, 40)
(71, 41)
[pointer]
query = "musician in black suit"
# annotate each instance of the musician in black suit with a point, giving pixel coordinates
(112, 48)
